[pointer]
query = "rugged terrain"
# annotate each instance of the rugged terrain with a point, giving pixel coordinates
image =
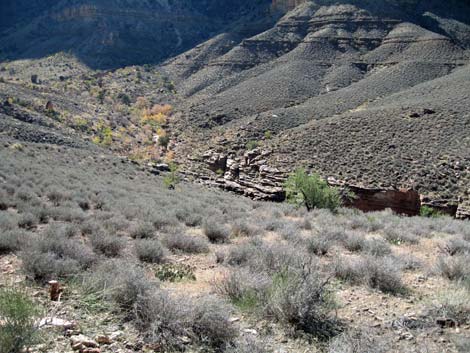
(370, 94)
(111, 110)
(146, 269)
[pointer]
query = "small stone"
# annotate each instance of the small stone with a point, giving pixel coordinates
(82, 341)
(102, 339)
(250, 331)
(91, 350)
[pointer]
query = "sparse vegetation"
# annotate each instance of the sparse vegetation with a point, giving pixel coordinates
(115, 234)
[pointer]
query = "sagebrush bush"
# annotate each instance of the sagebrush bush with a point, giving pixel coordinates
(57, 196)
(67, 212)
(42, 213)
(119, 281)
(359, 341)
(210, 322)
(7, 221)
(381, 273)
(13, 240)
(189, 215)
(89, 227)
(24, 194)
(178, 240)
(384, 274)
(18, 315)
(454, 268)
(143, 231)
(242, 228)
(4, 204)
(163, 321)
(354, 241)
(453, 304)
(248, 345)
(397, 235)
(290, 232)
(117, 224)
(27, 221)
(240, 254)
(246, 289)
(456, 246)
(163, 219)
(409, 262)
(166, 320)
(54, 256)
(319, 245)
(303, 300)
(215, 230)
(106, 244)
(150, 250)
(377, 247)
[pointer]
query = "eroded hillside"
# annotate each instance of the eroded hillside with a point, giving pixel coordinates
(367, 94)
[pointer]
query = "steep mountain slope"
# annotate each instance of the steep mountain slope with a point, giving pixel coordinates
(368, 93)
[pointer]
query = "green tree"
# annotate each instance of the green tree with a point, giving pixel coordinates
(311, 191)
(172, 179)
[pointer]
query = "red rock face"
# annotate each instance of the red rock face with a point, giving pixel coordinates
(401, 201)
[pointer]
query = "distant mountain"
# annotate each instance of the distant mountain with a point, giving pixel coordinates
(109, 34)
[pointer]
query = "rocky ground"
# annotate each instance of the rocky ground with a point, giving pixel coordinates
(398, 284)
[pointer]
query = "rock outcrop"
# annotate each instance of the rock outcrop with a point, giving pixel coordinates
(246, 175)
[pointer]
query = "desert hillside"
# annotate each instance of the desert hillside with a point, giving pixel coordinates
(234, 176)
